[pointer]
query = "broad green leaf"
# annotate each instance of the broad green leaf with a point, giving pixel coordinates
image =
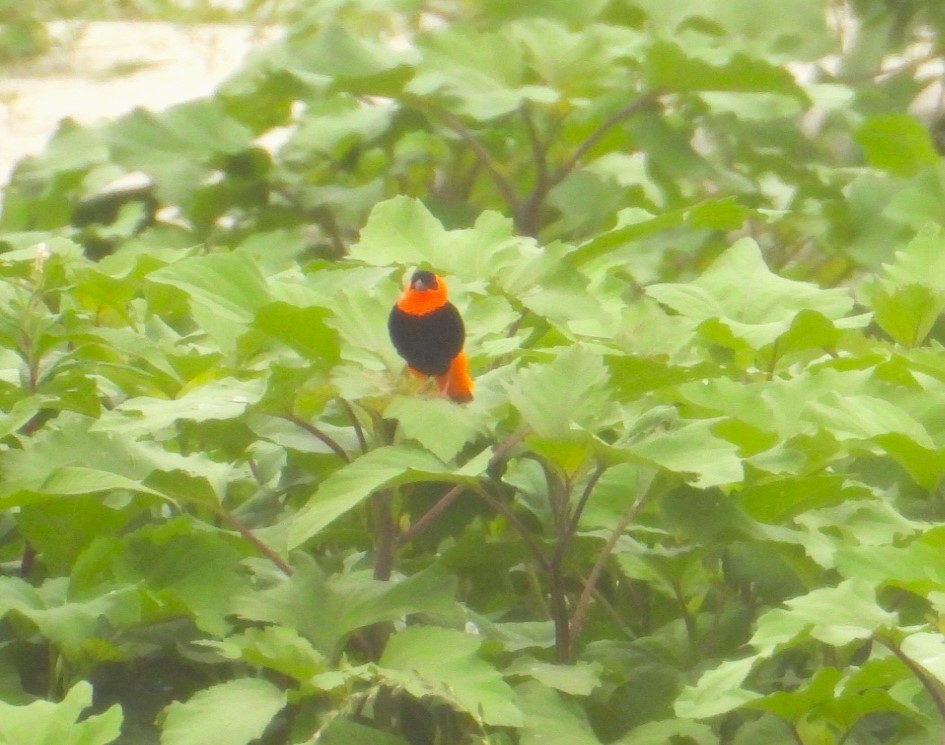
(552, 719)
(579, 679)
(832, 615)
(481, 75)
(897, 143)
(227, 285)
(177, 147)
(345, 489)
(693, 451)
(60, 723)
(327, 610)
(437, 424)
(567, 392)
(659, 733)
(74, 480)
(301, 329)
(430, 661)
(670, 67)
(926, 649)
(854, 417)
(278, 648)
(227, 398)
(69, 623)
(191, 571)
(344, 732)
(232, 713)
(740, 294)
(718, 691)
(338, 53)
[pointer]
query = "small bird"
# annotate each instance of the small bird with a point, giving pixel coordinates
(428, 333)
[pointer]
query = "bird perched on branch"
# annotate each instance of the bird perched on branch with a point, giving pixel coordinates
(428, 333)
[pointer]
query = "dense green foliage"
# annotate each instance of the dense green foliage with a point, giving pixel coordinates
(699, 251)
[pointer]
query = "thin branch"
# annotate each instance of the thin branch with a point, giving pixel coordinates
(503, 509)
(528, 215)
(503, 184)
(580, 609)
(316, 432)
(585, 496)
(932, 687)
(261, 547)
(503, 449)
(428, 517)
(385, 535)
(634, 107)
(355, 424)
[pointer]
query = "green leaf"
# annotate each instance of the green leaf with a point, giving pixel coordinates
(659, 733)
(579, 679)
(740, 294)
(343, 732)
(437, 424)
(692, 450)
(178, 146)
(896, 143)
(301, 329)
(66, 622)
(567, 392)
(218, 400)
(482, 75)
(228, 285)
(326, 611)
(60, 723)
(429, 661)
(833, 615)
(670, 67)
(718, 691)
(232, 713)
(552, 719)
(346, 488)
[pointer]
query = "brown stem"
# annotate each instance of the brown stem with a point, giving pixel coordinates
(634, 107)
(503, 449)
(385, 535)
(528, 217)
(930, 684)
(316, 432)
(430, 516)
(580, 609)
(503, 184)
(355, 424)
(503, 509)
(261, 547)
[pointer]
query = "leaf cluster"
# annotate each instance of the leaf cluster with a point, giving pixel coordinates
(697, 497)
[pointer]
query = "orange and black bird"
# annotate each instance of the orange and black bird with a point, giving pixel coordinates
(428, 333)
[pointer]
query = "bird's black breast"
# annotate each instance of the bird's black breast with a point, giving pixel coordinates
(428, 342)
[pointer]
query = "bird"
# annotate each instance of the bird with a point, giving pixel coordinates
(428, 332)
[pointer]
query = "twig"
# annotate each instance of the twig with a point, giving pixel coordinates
(580, 609)
(428, 517)
(594, 137)
(503, 184)
(244, 531)
(316, 432)
(385, 532)
(506, 512)
(930, 684)
(355, 424)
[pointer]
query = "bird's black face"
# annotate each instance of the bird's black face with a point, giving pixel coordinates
(422, 280)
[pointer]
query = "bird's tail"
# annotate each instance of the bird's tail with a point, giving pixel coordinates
(456, 382)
